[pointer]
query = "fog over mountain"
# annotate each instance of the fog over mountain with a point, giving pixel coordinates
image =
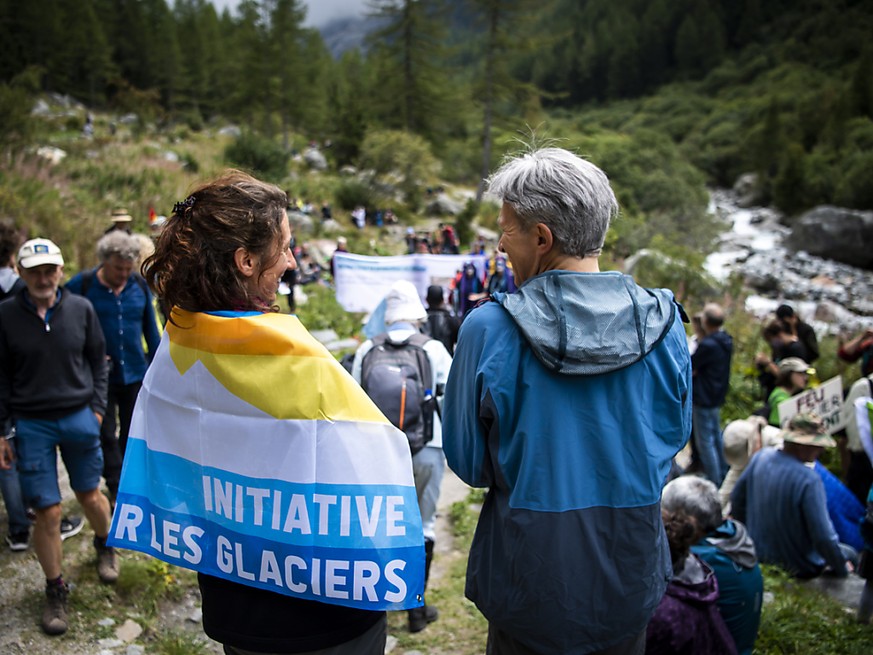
(318, 12)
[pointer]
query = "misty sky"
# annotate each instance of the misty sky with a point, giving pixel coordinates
(318, 12)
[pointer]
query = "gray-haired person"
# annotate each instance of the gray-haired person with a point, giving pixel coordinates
(124, 307)
(568, 399)
(730, 552)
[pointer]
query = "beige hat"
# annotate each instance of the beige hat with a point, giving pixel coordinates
(121, 216)
(809, 430)
(740, 439)
(795, 365)
(37, 252)
(403, 303)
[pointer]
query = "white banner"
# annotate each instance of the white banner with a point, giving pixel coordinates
(825, 400)
(361, 281)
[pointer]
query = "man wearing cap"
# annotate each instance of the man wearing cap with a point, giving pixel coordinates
(124, 307)
(782, 502)
(404, 314)
(53, 380)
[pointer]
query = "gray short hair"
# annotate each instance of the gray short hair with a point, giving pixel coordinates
(118, 242)
(695, 496)
(571, 196)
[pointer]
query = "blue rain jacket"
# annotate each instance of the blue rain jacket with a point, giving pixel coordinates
(568, 399)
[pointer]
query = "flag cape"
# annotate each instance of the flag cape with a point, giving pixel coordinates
(254, 457)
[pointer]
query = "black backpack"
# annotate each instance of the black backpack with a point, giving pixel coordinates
(397, 377)
(443, 327)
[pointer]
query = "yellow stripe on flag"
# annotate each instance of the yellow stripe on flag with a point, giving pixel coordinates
(273, 363)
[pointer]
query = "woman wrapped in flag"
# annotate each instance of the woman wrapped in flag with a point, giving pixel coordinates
(254, 458)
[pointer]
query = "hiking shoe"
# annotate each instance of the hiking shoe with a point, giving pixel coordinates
(54, 616)
(107, 564)
(419, 617)
(18, 541)
(71, 526)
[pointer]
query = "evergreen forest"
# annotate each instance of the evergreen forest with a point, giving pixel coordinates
(668, 96)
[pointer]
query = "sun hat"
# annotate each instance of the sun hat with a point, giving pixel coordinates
(740, 441)
(807, 429)
(120, 215)
(37, 252)
(402, 303)
(795, 365)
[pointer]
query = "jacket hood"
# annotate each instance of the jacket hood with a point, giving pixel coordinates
(589, 323)
(696, 582)
(732, 538)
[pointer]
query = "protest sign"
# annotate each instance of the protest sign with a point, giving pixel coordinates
(362, 281)
(825, 400)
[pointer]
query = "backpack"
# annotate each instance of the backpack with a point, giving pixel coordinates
(443, 327)
(397, 378)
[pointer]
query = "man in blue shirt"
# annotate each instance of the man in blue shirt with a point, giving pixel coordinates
(711, 366)
(782, 502)
(124, 307)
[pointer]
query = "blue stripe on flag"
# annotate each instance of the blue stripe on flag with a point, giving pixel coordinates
(377, 578)
(350, 516)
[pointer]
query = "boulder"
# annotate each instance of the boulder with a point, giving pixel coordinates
(315, 159)
(231, 130)
(300, 221)
(442, 205)
(52, 154)
(748, 191)
(835, 233)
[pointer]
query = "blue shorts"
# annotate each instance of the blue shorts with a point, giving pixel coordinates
(36, 442)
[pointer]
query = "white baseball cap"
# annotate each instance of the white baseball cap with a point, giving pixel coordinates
(37, 252)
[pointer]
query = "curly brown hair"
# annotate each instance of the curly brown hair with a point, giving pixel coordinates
(683, 531)
(193, 264)
(10, 241)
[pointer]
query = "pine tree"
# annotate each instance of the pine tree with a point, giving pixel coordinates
(413, 93)
(286, 62)
(861, 86)
(789, 184)
(347, 90)
(504, 21)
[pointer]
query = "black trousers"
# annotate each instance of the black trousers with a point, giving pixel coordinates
(114, 431)
(860, 475)
(500, 643)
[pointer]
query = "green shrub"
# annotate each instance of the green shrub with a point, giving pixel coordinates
(464, 222)
(260, 155)
(399, 159)
(352, 193)
(322, 311)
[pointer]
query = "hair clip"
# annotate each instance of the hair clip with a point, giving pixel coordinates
(181, 207)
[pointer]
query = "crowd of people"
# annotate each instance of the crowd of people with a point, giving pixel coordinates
(580, 547)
